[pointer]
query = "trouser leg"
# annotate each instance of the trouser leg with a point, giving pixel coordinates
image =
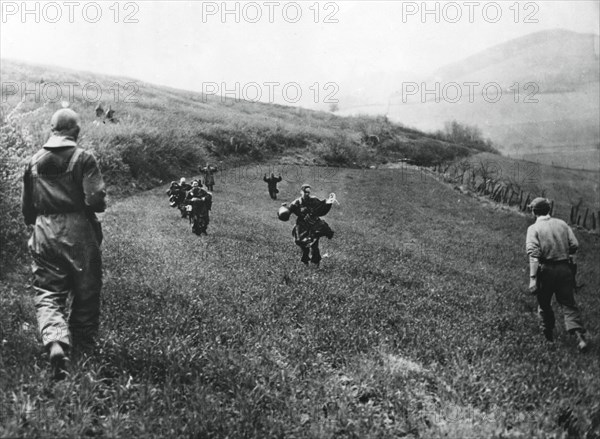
(545, 312)
(316, 253)
(84, 319)
(305, 254)
(566, 299)
(51, 286)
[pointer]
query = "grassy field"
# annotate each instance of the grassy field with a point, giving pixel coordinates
(164, 132)
(417, 324)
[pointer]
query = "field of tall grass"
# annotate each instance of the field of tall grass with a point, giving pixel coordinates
(162, 133)
(417, 324)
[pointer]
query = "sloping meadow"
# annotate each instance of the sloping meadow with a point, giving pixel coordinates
(417, 324)
(160, 133)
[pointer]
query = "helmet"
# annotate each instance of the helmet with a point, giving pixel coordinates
(182, 180)
(195, 183)
(65, 121)
(284, 213)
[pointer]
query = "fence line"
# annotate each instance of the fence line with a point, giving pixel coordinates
(505, 192)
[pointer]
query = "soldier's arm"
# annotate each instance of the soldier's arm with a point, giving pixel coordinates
(320, 207)
(27, 207)
(279, 179)
(93, 184)
(532, 246)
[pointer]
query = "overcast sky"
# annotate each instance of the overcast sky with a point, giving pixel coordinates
(185, 44)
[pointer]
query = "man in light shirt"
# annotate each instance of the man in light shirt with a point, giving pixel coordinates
(550, 243)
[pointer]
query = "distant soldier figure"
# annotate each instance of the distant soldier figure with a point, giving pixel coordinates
(173, 192)
(201, 203)
(209, 179)
(309, 226)
(62, 191)
(550, 244)
(272, 184)
(110, 115)
(184, 188)
(99, 110)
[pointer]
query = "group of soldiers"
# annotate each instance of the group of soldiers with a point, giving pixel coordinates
(193, 201)
(63, 190)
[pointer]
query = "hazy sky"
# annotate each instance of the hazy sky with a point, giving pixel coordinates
(187, 44)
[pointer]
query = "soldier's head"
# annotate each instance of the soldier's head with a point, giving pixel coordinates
(65, 122)
(195, 183)
(305, 190)
(540, 206)
(182, 180)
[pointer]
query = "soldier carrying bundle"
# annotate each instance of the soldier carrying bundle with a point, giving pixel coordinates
(309, 226)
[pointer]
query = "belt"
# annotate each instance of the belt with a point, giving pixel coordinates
(48, 212)
(553, 262)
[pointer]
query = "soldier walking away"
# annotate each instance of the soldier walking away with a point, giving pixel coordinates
(62, 191)
(209, 179)
(200, 202)
(309, 226)
(550, 244)
(272, 184)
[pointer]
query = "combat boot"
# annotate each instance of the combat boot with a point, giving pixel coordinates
(58, 361)
(549, 334)
(582, 343)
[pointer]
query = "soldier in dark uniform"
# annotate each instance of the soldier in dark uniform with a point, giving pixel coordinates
(272, 184)
(62, 191)
(209, 179)
(173, 193)
(184, 188)
(309, 226)
(201, 202)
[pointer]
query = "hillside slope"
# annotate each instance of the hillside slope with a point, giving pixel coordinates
(163, 133)
(548, 109)
(556, 60)
(416, 325)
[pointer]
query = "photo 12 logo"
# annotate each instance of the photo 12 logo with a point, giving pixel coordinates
(271, 92)
(69, 12)
(53, 92)
(269, 12)
(471, 12)
(454, 92)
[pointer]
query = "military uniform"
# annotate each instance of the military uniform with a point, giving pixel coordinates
(62, 190)
(309, 226)
(272, 185)
(201, 202)
(209, 179)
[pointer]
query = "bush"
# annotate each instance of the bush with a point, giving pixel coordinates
(15, 144)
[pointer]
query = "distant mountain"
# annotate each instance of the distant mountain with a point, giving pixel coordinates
(548, 99)
(557, 60)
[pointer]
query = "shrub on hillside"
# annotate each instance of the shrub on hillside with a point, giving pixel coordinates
(154, 154)
(15, 146)
(469, 135)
